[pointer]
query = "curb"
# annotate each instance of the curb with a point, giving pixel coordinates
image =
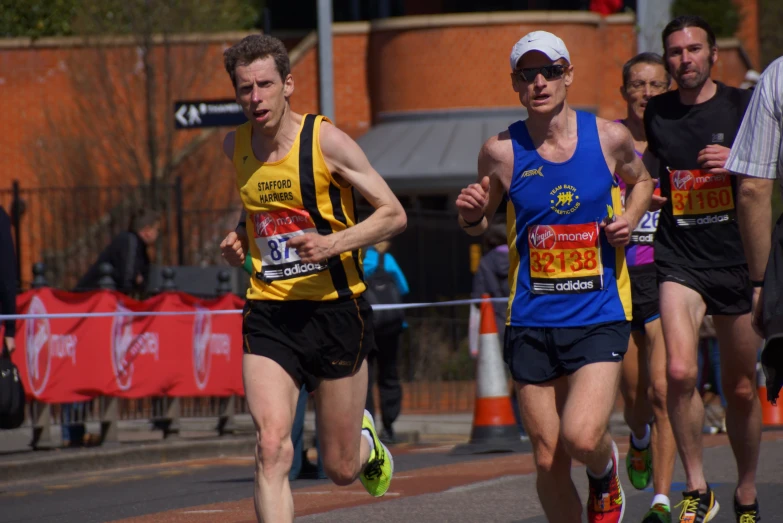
(91, 460)
(128, 454)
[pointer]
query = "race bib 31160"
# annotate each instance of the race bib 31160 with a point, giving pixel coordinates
(700, 199)
(272, 231)
(565, 259)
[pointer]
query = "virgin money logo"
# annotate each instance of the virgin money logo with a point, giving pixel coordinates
(37, 336)
(205, 345)
(42, 347)
(264, 224)
(542, 237)
(127, 346)
(682, 180)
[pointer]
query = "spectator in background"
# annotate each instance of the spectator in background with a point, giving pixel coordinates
(302, 467)
(8, 284)
(709, 370)
(127, 255)
(386, 284)
(757, 158)
(492, 274)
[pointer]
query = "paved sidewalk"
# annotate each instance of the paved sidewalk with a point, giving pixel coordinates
(141, 444)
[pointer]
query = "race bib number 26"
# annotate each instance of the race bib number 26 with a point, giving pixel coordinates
(644, 234)
(272, 232)
(565, 259)
(700, 198)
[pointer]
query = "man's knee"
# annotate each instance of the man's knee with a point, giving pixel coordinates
(582, 437)
(681, 374)
(740, 390)
(657, 393)
(342, 471)
(274, 451)
(547, 458)
(630, 398)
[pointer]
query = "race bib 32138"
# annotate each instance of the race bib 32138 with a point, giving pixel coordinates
(565, 259)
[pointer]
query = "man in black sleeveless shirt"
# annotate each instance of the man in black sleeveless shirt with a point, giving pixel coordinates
(700, 261)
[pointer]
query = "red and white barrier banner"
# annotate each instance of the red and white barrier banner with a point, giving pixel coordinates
(73, 359)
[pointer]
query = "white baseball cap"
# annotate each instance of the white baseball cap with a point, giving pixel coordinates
(542, 41)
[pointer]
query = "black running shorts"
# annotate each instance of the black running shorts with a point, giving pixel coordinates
(541, 354)
(311, 340)
(725, 290)
(644, 295)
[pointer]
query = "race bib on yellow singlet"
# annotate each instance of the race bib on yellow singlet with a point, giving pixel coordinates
(700, 198)
(272, 231)
(565, 259)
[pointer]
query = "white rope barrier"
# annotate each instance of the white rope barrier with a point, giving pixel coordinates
(73, 315)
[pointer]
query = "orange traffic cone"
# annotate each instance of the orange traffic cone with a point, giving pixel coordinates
(771, 415)
(494, 426)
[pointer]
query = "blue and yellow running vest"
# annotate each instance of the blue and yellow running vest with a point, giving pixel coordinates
(563, 272)
(295, 195)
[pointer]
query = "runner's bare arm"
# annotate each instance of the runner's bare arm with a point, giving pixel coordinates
(652, 164)
(754, 213)
(617, 144)
(479, 201)
(630, 168)
(350, 166)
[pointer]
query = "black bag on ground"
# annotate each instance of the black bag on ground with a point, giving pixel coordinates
(382, 289)
(12, 395)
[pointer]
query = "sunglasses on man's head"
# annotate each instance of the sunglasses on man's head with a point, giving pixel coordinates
(549, 72)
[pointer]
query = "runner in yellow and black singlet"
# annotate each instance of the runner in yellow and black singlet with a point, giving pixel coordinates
(305, 321)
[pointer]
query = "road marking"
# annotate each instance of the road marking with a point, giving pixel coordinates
(483, 484)
(329, 492)
(434, 449)
(16, 494)
(60, 487)
(171, 473)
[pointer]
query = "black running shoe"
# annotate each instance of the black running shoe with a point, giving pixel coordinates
(747, 513)
(698, 508)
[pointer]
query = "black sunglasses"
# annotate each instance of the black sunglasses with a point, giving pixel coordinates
(549, 72)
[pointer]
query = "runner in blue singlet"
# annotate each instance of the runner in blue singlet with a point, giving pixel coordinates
(570, 306)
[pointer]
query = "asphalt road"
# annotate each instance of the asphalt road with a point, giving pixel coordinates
(118, 494)
(430, 485)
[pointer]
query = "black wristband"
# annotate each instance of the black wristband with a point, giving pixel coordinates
(757, 283)
(468, 224)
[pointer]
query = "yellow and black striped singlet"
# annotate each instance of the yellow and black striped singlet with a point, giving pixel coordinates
(292, 196)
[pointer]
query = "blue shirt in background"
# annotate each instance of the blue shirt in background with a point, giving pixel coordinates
(389, 264)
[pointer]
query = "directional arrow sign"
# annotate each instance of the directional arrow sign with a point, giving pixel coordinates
(179, 114)
(207, 113)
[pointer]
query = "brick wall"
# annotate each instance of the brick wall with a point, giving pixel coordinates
(748, 32)
(731, 65)
(401, 64)
(406, 64)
